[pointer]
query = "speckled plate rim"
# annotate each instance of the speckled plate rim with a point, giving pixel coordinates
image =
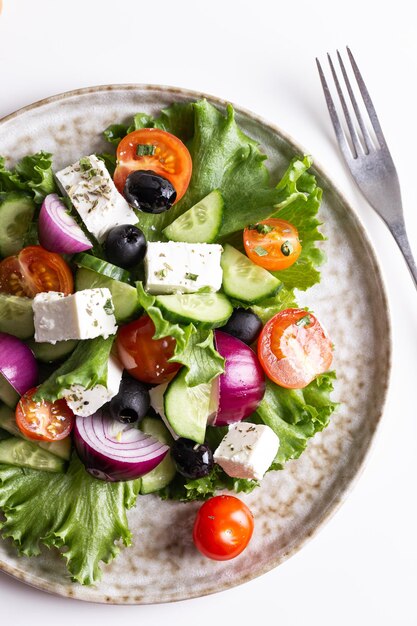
(334, 505)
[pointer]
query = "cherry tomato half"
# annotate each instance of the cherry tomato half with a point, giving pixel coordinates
(47, 421)
(35, 270)
(272, 244)
(145, 358)
(171, 158)
(223, 528)
(294, 349)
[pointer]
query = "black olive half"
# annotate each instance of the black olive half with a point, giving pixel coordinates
(149, 192)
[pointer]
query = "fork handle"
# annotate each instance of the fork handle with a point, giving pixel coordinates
(399, 233)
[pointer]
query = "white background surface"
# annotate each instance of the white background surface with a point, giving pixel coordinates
(361, 567)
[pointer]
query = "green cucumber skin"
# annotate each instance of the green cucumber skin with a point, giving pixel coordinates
(8, 394)
(205, 232)
(163, 473)
(61, 449)
(90, 262)
(190, 404)
(171, 313)
(49, 352)
(23, 453)
(264, 286)
(16, 214)
(16, 316)
(124, 296)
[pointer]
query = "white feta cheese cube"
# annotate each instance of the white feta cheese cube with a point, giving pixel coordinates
(85, 314)
(92, 191)
(85, 402)
(172, 267)
(247, 450)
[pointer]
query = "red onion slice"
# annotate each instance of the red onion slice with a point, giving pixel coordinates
(17, 364)
(241, 387)
(114, 451)
(57, 229)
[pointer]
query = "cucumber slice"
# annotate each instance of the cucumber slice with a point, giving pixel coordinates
(124, 296)
(61, 449)
(16, 213)
(8, 394)
(201, 223)
(163, 473)
(49, 352)
(23, 453)
(187, 408)
(244, 280)
(208, 310)
(16, 316)
(101, 267)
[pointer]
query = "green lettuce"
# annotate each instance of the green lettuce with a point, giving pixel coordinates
(81, 516)
(225, 158)
(32, 174)
(203, 488)
(296, 415)
(302, 211)
(86, 366)
(194, 347)
(265, 309)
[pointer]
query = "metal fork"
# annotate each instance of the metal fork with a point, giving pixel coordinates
(369, 161)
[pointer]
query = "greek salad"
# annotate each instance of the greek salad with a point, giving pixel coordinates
(150, 338)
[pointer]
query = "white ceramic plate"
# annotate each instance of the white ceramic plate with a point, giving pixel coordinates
(162, 565)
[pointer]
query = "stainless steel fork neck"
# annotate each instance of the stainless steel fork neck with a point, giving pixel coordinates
(397, 228)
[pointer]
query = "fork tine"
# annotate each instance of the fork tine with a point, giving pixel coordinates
(365, 134)
(367, 101)
(356, 145)
(340, 135)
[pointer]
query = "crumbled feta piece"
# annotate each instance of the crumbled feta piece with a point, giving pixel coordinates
(91, 190)
(85, 314)
(175, 267)
(85, 402)
(247, 450)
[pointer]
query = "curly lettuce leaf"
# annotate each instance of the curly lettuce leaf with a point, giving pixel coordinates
(194, 346)
(265, 309)
(225, 158)
(115, 132)
(86, 366)
(32, 174)
(296, 415)
(203, 488)
(300, 209)
(81, 516)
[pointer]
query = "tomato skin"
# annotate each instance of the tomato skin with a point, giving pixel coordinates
(171, 159)
(33, 271)
(145, 358)
(223, 528)
(43, 420)
(294, 349)
(280, 246)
